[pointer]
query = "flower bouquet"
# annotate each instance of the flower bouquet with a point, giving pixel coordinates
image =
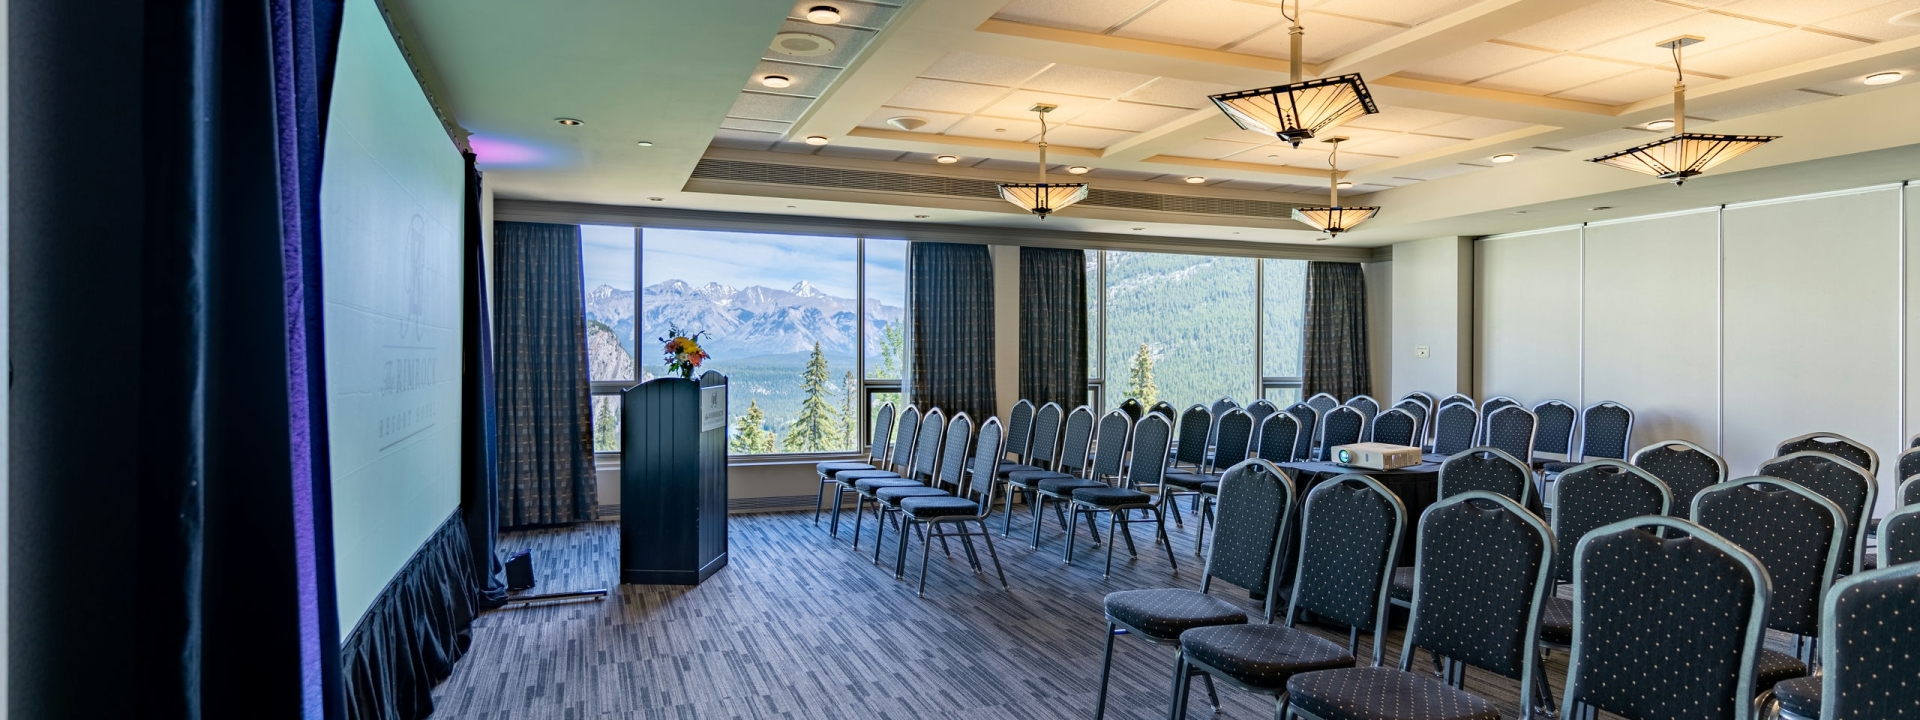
(683, 351)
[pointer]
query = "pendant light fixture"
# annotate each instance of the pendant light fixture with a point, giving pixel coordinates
(1684, 154)
(1334, 219)
(1043, 198)
(1302, 108)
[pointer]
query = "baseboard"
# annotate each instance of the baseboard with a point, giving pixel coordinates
(772, 503)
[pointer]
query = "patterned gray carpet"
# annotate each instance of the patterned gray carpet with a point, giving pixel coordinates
(800, 626)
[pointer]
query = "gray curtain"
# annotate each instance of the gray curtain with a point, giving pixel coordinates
(544, 400)
(1335, 346)
(950, 288)
(1053, 326)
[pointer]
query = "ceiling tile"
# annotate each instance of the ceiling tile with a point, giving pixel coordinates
(1593, 23)
(1083, 15)
(1245, 136)
(744, 139)
(1019, 104)
(1799, 12)
(1769, 52)
(1474, 128)
(1182, 93)
(1401, 119)
(936, 121)
(767, 126)
(1720, 31)
(1201, 23)
(1327, 37)
(1402, 145)
(1247, 185)
(1479, 61)
(1435, 173)
(1555, 74)
(1348, 161)
(944, 96)
(1029, 166)
(1132, 116)
(983, 69)
(806, 80)
(1404, 12)
(1211, 149)
(1776, 101)
(1087, 82)
(1617, 137)
(995, 129)
(758, 106)
(1642, 84)
(1872, 22)
(859, 152)
(1282, 154)
(1085, 137)
(1112, 174)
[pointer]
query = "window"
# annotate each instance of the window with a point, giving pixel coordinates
(607, 263)
(884, 279)
(1283, 290)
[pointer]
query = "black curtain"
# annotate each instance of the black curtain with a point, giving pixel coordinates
(480, 461)
(544, 433)
(1335, 345)
(950, 289)
(1053, 326)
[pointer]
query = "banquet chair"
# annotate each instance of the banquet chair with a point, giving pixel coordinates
(1424, 398)
(1686, 468)
(1150, 439)
(1420, 414)
(1554, 433)
(1256, 509)
(1913, 441)
(1908, 492)
(1260, 410)
(1342, 425)
(1074, 443)
(1846, 484)
(1481, 469)
(1368, 407)
(918, 472)
(948, 468)
(1900, 537)
(876, 454)
(1396, 426)
(1019, 440)
(1190, 449)
(1043, 454)
(1262, 658)
(1511, 429)
(905, 433)
(1834, 444)
(1799, 537)
(1592, 495)
(1309, 421)
(1605, 429)
(1458, 398)
(1455, 428)
(1132, 407)
(1488, 408)
(1643, 647)
(1278, 438)
(1322, 402)
(1236, 433)
(1481, 574)
(1109, 460)
(1869, 665)
(1164, 408)
(1219, 408)
(970, 505)
(1905, 467)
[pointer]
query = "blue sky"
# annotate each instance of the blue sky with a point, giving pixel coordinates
(606, 254)
(744, 259)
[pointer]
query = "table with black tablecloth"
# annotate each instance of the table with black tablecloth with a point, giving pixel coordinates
(1418, 487)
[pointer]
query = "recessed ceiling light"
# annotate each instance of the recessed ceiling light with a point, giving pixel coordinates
(947, 159)
(645, 143)
(907, 122)
(657, 199)
(923, 217)
(801, 44)
(823, 14)
(569, 122)
(1661, 125)
(1885, 78)
(776, 81)
(1601, 207)
(1343, 184)
(999, 129)
(1503, 158)
(816, 139)
(1078, 169)
(1139, 228)
(1195, 179)
(1519, 212)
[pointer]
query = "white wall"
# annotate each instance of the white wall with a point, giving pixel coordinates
(1432, 305)
(1733, 327)
(1380, 328)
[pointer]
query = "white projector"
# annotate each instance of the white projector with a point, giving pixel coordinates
(1376, 456)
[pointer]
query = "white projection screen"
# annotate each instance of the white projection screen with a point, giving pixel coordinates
(390, 212)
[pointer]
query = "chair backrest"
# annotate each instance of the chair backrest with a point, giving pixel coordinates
(1076, 441)
(1350, 535)
(1510, 428)
(1598, 494)
(926, 446)
(1420, 413)
(1554, 433)
(1110, 452)
(1341, 426)
(1459, 398)
(1488, 408)
(986, 463)
(1905, 467)
(1396, 426)
(882, 434)
(1479, 579)
(1196, 426)
(1686, 468)
(1259, 410)
(1605, 431)
(1151, 438)
(1665, 628)
(953, 452)
(1868, 662)
(1367, 406)
(1322, 402)
(1043, 446)
(1798, 536)
(1279, 438)
(1164, 408)
(1900, 537)
(1222, 405)
(1234, 438)
(1424, 398)
(1455, 428)
(1132, 408)
(1486, 469)
(903, 439)
(1834, 444)
(1255, 505)
(1309, 420)
(1846, 484)
(1908, 493)
(1019, 430)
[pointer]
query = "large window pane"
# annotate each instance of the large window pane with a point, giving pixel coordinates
(606, 259)
(886, 308)
(1286, 306)
(606, 423)
(780, 313)
(1185, 321)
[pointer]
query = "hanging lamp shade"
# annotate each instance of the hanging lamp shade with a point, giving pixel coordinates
(1334, 220)
(1297, 111)
(1683, 156)
(1043, 198)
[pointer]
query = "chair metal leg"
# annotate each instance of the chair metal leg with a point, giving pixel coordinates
(988, 536)
(1182, 683)
(880, 531)
(1126, 531)
(1166, 542)
(1174, 506)
(900, 557)
(859, 516)
(1113, 524)
(833, 523)
(944, 547)
(1039, 503)
(926, 553)
(1073, 531)
(1006, 526)
(1106, 670)
(1093, 531)
(1213, 698)
(1200, 537)
(819, 498)
(966, 543)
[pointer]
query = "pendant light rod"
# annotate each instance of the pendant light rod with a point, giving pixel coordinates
(1680, 81)
(1042, 109)
(1333, 175)
(1296, 65)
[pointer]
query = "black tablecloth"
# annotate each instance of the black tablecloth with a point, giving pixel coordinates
(1418, 487)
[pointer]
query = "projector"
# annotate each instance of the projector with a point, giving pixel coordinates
(1376, 456)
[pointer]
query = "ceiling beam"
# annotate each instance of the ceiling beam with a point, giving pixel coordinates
(1180, 133)
(1459, 30)
(909, 45)
(1107, 52)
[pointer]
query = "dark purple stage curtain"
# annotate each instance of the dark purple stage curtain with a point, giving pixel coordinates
(480, 450)
(950, 288)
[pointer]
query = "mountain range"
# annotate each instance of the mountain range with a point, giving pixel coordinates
(741, 322)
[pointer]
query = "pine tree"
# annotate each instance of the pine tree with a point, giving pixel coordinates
(849, 420)
(1140, 377)
(818, 425)
(891, 345)
(606, 426)
(750, 434)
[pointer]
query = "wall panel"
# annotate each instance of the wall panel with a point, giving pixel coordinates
(1431, 308)
(1651, 324)
(1527, 316)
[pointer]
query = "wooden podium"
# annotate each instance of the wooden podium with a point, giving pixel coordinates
(673, 480)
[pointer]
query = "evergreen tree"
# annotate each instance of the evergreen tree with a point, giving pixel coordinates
(892, 343)
(750, 434)
(606, 426)
(1140, 378)
(818, 425)
(849, 419)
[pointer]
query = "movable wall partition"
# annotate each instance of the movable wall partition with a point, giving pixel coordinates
(1735, 327)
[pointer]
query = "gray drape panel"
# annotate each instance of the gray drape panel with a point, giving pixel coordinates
(544, 400)
(950, 288)
(1053, 326)
(1335, 346)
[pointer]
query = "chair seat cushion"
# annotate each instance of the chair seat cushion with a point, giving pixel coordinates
(1777, 667)
(1263, 656)
(870, 485)
(893, 495)
(1190, 480)
(827, 469)
(1380, 693)
(851, 477)
(1064, 487)
(933, 506)
(1030, 479)
(1165, 613)
(1800, 696)
(1402, 585)
(1008, 467)
(1556, 466)
(1556, 621)
(1111, 497)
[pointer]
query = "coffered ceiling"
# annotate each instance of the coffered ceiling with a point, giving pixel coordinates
(896, 83)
